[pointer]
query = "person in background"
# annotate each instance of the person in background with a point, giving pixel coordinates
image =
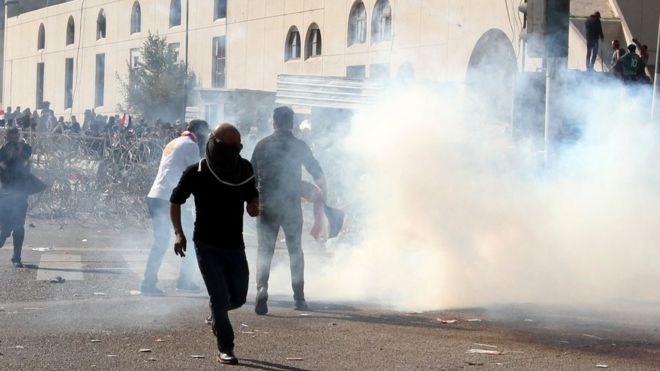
(594, 31)
(14, 171)
(278, 160)
(631, 65)
(221, 184)
(642, 50)
(177, 156)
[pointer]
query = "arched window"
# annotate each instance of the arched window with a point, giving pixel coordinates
(136, 18)
(292, 50)
(70, 31)
(313, 44)
(220, 9)
(41, 38)
(381, 22)
(357, 24)
(175, 13)
(100, 25)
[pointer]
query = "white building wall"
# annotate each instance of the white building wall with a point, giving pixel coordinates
(436, 37)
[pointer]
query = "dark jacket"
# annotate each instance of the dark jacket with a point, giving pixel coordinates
(594, 29)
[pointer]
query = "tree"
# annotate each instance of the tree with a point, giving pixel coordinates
(155, 87)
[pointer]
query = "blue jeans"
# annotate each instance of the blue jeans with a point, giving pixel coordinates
(13, 208)
(592, 53)
(159, 210)
(226, 275)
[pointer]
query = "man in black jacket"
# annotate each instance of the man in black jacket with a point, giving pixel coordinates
(594, 34)
(221, 183)
(278, 160)
(14, 178)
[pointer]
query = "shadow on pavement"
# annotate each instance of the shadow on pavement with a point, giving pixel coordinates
(268, 366)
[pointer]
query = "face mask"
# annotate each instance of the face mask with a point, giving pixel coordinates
(221, 155)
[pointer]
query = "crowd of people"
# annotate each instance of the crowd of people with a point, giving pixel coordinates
(627, 64)
(209, 166)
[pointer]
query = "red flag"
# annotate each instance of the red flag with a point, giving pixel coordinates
(123, 120)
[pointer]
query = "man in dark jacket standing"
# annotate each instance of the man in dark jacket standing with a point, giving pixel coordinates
(14, 181)
(594, 34)
(277, 162)
(221, 183)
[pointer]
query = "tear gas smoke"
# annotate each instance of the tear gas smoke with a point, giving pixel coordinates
(456, 214)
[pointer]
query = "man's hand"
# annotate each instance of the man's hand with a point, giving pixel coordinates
(180, 245)
(252, 208)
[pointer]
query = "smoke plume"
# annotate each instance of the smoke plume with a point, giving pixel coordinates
(455, 213)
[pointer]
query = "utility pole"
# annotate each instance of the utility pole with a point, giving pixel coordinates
(556, 52)
(185, 82)
(655, 115)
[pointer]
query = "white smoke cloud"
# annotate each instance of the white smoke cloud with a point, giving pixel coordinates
(457, 214)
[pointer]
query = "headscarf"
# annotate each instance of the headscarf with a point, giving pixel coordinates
(226, 164)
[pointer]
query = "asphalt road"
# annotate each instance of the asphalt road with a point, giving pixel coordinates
(95, 320)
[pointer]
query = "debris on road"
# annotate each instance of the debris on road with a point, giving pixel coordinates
(485, 351)
(144, 350)
(43, 249)
(528, 320)
(473, 320)
(95, 341)
(593, 336)
(295, 359)
(33, 308)
(111, 355)
(135, 292)
(474, 363)
(84, 240)
(57, 279)
(601, 365)
(197, 356)
(151, 359)
(19, 347)
(485, 345)
(32, 225)
(447, 321)
(160, 340)
(100, 294)
(304, 314)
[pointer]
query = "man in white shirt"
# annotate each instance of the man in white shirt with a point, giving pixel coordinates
(179, 154)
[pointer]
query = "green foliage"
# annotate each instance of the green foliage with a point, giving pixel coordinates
(155, 88)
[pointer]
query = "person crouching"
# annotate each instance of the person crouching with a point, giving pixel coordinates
(221, 184)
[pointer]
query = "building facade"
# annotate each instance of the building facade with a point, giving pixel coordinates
(73, 53)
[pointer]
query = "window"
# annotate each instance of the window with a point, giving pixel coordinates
(41, 38)
(292, 49)
(175, 47)
(379, 71)
(219, 60)
(40, 85)
(136, 54)
(136, 18)
(313, 40)
(175, 13)
(70, 31)
(68, 83)
(357, 24)
(211, 113)
(99, 84)
(100, 25)
(220, 9)
(356, 72)
(381, 23)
